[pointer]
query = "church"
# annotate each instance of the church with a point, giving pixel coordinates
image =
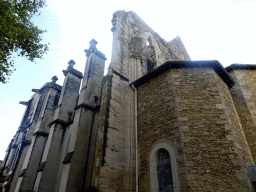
(156, 122)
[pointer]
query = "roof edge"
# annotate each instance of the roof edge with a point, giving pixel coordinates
(215, 64)
(235, 66)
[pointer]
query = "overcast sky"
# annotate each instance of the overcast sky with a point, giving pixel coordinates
(221, 30)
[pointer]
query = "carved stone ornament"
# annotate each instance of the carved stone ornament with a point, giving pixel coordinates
(65, 72)
(54, 79)
(71, 63)
(23, 103)
(36, 90)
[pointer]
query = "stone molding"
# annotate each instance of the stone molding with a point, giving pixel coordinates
(68, 157)
(41, 166)
(22, 129)
(74, 72)
(22, 172)
(86, 106)
(23, 103)
(36, 91)
(26, 142)
(60, 122)
(41, 133)
(123, 77)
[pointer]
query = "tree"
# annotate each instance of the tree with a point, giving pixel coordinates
(19, 34)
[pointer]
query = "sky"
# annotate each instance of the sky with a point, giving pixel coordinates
(221, 30)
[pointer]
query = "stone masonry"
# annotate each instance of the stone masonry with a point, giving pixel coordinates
(157, 121)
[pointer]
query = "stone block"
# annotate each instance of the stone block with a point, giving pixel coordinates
(228, 127)
(184, 128)
(237, 162)
(188, 163)
(241, 176)
(182, 118)
(183, 170)
(220, 106)
(230, 137)
(175, 75)
(190, 176)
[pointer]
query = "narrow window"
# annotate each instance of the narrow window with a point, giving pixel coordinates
(164, 171)
(151, 55)
(147, 42)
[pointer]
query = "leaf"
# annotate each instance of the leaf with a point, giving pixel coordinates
(18, 33)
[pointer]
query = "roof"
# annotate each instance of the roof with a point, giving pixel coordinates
(216, 65)
(240, 66)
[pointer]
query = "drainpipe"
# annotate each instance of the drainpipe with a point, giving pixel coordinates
(136, 139)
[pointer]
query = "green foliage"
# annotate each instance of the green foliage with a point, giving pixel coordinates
(18, 33)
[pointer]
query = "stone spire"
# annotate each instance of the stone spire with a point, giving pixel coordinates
(93, 49)
(71, 63)
(54, 79)
(93, 43)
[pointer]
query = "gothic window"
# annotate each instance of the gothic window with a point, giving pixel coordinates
(151, 55)
(147, 43)
(163, 168)
(164, 171)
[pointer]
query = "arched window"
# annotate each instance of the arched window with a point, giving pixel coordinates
(164, 171)
(147, 43)
(151, 55)
(163, 168)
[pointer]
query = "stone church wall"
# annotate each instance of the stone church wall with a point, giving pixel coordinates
(113, 164)
(157, 119)
(116, 137)
(244, 97)
(199, 111)
(234, 128)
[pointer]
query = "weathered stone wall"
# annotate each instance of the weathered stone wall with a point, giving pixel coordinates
(24, 135)
(35, 108)
(126, 27)
(35, 150)
(195, 104)
(135, 44)
(77, 168)
(244, 97)
(114, 155)
(102, 131)
(188, 109)
(178, 49)
(157, 120)
(231, 116)
(48, 177)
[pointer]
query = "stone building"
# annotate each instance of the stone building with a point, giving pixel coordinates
(157, 121)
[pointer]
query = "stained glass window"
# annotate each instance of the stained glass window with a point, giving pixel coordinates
(164, 171)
